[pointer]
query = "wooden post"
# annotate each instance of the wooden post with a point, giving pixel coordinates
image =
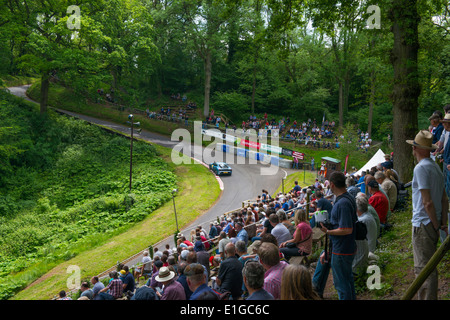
(426, 271)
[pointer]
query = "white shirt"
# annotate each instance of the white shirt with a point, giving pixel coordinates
(427, 175)
(281, 233)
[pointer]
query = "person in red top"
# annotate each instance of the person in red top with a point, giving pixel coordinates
(378, 200)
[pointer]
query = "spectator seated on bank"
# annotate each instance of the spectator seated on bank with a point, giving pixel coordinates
(269, 256)
(114, 290)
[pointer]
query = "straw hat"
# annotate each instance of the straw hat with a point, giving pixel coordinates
(446, 118)
(434, 116)
(423, 140)
(164, 275)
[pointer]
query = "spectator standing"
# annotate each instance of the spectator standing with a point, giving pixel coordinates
(342, 242)
(429, 202)
(361, 182)
(446, 159)
(438, 128)
(295, 163)
(445, 149)
(269, 257)
(296, 284)
(322, 204)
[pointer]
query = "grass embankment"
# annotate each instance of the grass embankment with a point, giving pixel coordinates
(64, 199)
(396, 262)
(191, 201)
(305, 178)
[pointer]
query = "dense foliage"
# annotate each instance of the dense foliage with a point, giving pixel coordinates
(63, 180)
(287, 58)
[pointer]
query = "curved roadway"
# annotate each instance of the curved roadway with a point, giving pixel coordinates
(245, 183)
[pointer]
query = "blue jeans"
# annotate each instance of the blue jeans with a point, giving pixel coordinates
(446, 178)
(104, 296)
(342, 276)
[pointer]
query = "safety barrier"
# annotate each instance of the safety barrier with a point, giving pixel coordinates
(254, 155)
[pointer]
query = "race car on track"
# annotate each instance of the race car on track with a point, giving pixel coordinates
(220, 168)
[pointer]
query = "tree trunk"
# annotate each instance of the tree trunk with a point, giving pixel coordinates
(346, 91)
(406, 89)
(253, 90)
(341, 105)
(45, 84)
(208, 67)
(371, 102)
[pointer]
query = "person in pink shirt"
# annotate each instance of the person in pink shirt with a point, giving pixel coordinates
(269, 257)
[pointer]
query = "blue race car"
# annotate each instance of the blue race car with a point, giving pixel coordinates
(220, 168)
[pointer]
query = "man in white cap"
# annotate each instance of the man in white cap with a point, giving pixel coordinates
(172, 290)
(429, 202)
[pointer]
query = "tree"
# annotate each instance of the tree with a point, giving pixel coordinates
(341, 22)
(405, 21)
(50, 42)
(205, 27)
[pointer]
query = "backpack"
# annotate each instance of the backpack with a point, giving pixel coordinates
(360, 230)
(360, 227)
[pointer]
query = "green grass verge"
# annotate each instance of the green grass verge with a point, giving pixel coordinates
(304, 178)
(191, 202)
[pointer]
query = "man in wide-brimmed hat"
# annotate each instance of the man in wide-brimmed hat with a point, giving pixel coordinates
(387, 164)
(173, 290)
(429, 202)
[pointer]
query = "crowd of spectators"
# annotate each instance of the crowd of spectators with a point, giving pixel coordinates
(247, 254)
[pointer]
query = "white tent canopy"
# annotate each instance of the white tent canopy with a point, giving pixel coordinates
(376, 160)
